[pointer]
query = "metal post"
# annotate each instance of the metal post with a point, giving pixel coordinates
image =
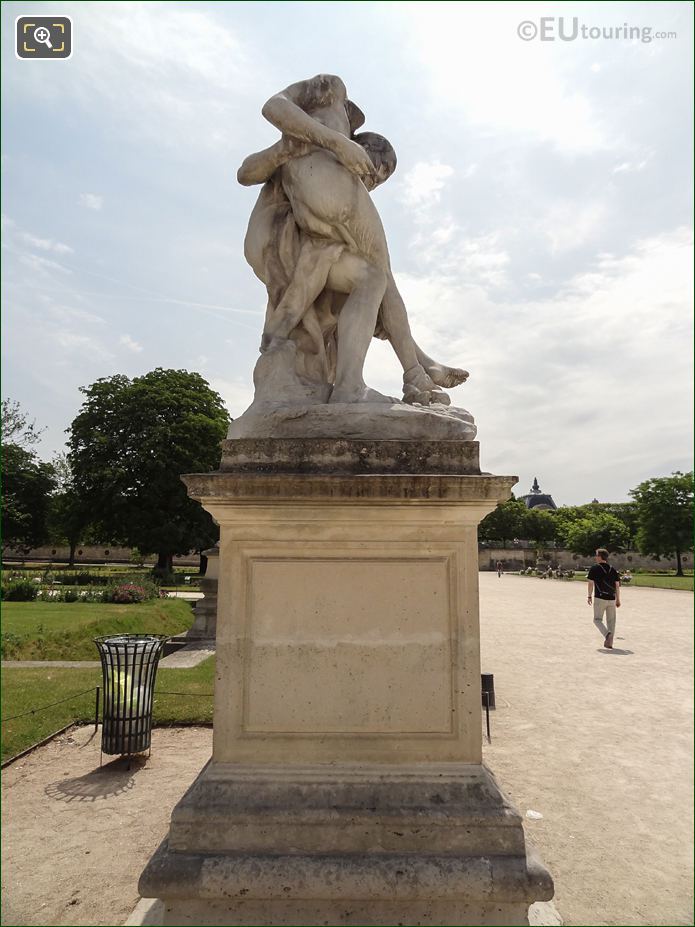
(96, 708)
(486, 696)
(488, 685)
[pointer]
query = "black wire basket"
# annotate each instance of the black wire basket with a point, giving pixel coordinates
(129, 667)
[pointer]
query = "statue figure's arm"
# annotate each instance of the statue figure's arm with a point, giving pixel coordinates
(261, 165)
(287, 112)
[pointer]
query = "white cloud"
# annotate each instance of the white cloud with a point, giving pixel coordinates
(91, 200)
(42, 265)
(423, 184)
(568, 225)
(45, 244)
(68, 315)
(482, 261)
(481, 71)
(130, 343)
(79, 344)
(168, 74)
(631, 166)
(603, 365)
(237, 394)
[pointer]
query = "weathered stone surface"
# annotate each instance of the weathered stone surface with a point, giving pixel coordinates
(346, 784)
(205, 624)
(434, 809)
(328, 455)
(369, 420)
(350, 913)
(430, 844)
(482, 489)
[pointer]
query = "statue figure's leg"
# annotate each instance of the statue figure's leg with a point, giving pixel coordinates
(316, 257)
(365, 285)
(418, 385)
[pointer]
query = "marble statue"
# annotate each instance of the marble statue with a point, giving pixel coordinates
(316, 241)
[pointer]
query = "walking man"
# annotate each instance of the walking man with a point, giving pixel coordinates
(499, 568)
(604, 588)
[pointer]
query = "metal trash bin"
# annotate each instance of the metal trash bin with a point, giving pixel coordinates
(129, 668)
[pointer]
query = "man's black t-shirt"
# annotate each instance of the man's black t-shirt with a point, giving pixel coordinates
(605, 577)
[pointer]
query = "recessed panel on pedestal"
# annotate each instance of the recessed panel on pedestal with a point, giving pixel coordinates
(349, 643)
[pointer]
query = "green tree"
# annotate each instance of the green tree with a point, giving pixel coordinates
(28, 483)
(596, 530)
(504, 523)
(16, 427)
(665, 516)
(539, 526)
(625, 511)
(129, 445)
(565, 518)
(69, 517)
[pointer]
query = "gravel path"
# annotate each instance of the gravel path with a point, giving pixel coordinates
(598, 743)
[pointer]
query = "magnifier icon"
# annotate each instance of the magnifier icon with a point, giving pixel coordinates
(43, 36)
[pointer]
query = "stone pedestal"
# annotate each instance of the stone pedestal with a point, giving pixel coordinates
(204, 626)
(346, 784)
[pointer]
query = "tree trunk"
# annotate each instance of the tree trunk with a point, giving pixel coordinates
(73, 546)
(679, 571)
(165, 563)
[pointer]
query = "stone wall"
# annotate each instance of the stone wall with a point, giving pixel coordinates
(514, 558)
(92, 554)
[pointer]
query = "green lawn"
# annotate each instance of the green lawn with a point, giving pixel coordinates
(657, 581)
(64, 630)
(25, 689)
(663, 581)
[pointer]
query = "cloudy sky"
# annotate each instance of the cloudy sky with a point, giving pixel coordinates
(539, 220)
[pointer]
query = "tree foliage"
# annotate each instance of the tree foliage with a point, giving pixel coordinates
(16, 427)
(540, 526)
(598, 529)
(68, 517)
(665, 516)
(626, 512)
(129, 445)
(28, 483)
(504, 523)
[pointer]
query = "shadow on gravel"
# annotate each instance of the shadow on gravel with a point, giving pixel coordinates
(113, 779)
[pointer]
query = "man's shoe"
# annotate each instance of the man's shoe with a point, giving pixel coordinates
(608, 641)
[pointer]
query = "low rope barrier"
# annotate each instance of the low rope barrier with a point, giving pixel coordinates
(32, 711)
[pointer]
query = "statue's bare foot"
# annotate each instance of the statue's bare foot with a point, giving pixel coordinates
(360, 393)
(419, 387)
(448, 377)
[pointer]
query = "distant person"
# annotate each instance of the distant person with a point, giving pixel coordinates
(626, 577)
(604, 588)
(499, 568)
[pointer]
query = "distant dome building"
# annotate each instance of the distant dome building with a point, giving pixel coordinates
(537, 499)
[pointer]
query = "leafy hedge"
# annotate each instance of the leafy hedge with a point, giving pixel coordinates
(20, 590)
(121, 593)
